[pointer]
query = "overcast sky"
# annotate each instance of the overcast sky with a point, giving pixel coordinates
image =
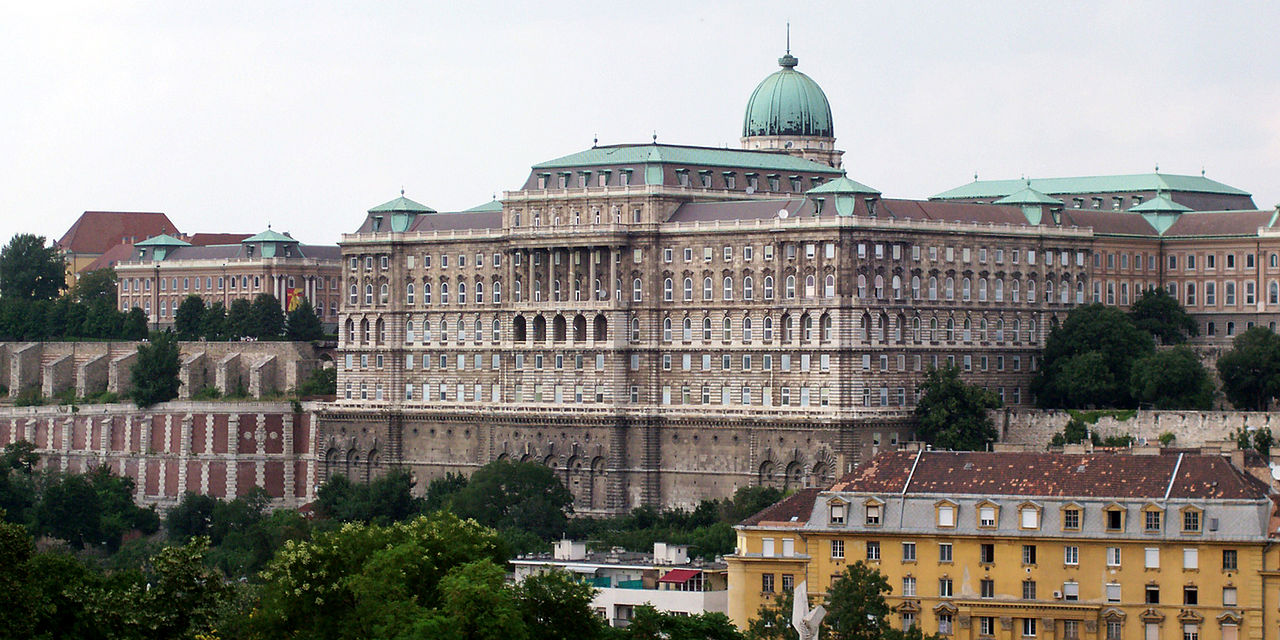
(230, 115)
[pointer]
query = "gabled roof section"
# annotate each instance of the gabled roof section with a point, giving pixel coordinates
(842, 185)
(1097, 475)
(162, 240)
(793, 510)
(402, 205)
(97, 231)
(1028, 196)
(1092, 184)
(624, 154)
(1112, 223)
(208, 239)
(1159, 204)
(492, 205)
(1220, 223)
(456, 221)
(269, 236)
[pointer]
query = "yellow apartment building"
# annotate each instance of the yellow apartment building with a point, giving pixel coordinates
(1172, 545)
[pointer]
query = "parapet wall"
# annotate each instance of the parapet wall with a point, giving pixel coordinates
(220, 449)
(257, 368)
(1035, 427)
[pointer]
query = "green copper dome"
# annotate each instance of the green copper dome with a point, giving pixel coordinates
(788, 103)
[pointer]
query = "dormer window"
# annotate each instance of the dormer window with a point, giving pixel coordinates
(988, 515)
(1152, 519)
(624, 177)
(796, 185)
(543, 178)
(1191, 520)
(753, 182)
(1029, 517)
(837, 512)
(1114, 517)
(945, 512)
(775, 183)
(603, 179)
(817, 206)
(682, 177)
(1071, 518)
(584, 178)
(875, 511)
(705, 177)
(375, 224)
(564, 181)
(248, 249)
(730, 180)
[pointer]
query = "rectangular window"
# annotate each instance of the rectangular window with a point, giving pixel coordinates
(1028, 554)
(1028, 589)
(988, 588)
(1113, 556)
(766, 583)
(908, 552)
(1228, 596)
(1190, 558)
(1028, 627)
(944, 552)
(873, 550)
(944, 587)
(837, 549)
(1113, 630)
(1153, 594)
(1113, 592)
(1190, 595)
(908, 586)
(987, 553)
(1229, 562)
(1070, 629)
(987, 626)
(1151, 559)
(1071, 555)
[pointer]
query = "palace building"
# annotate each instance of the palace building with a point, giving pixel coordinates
(665, 323)
(1148, 545)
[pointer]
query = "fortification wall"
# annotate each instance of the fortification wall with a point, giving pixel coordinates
(1035, 427)
(220, 449)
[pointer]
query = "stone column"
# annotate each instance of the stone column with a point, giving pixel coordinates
(591, 275)
(233, 440)
(286, 444)
(551, 271)
(614, 293)
(528, 281)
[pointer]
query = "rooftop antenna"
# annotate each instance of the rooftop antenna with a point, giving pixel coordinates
(788, 37)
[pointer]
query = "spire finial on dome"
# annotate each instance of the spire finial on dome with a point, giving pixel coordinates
(788, 37)
(788, 61)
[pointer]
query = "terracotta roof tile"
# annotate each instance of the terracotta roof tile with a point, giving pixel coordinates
(794, 509)
(206, 239)
(122, 251)
(97, 231)
(1096, 475)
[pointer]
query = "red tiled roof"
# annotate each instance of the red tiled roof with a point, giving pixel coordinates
(108, 259)
(1220, 223)
(97, 231)
(794, 509)
(1108, 222)
(679, 576)
(1097, 475)
(206, 239)
(953, 211)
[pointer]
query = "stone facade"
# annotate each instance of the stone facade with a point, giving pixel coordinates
(1035, 427)
(221, 449)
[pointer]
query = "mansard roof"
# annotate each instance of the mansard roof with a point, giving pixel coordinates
(1092, 184)
(1221, 223)
(1177, 475)
(639, 154)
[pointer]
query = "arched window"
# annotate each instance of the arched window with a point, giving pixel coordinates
(829, 286)
(687, 330)
(426, 331)
(950, 288)
(666, 329)
(951, 329)
(1014, 286)
(768, 328)
(862, 286)
(748, 288)
(1048, 291)
(1275, 261)
(791, 287)
(999, 329)
(365, 337)
(688, 289)
(497, 292)
(408, 332)
(879, 282)
(788, 329)
(1079, 291)
(384, 293)
(368, 294)
(353, 294)
(1064, 292)
(1273, 292)
(966, 289)
(933, 288)
(444, 293)
(915, 287)
(999, 290)
(408, 293)
(768, 287)
(479, 293)
(746, 329)
(809, 286)
(635, 328)
(350, 330)
(555, 292)
(826, 327)
(518, 288)
(667, 286)
(1031, 291)
(968, 330)
(897, 288)
(497, 330)
(727, 330)
(727, 288)
(806, 323)
(478, 329)
(635, 291)
(706, 288)
(982, 289)
(706, 329)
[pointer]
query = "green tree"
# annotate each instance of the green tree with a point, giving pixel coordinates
(240, 319)
(381, 501)
(21, 455)
(478, 604)
(135, 325)
(748, 501)
(516, 495)
(302, 324)
(154, 374)
(98, 285)
(773, 620)
(856, 608)
(188, 320)
(191, 517)
(650, 624)
(266, 318)
(213, 324)
(29, 270)
(16, 610)
(1088, 359)
(953, 414)
(1172, 379)
(556, 605)
(1160, 314)
(1250, 370)
(322, 381)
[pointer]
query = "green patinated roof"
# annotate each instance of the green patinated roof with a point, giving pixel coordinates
(1028, 196)
(689, 156)
(269, 236)
(490, 206)
(1092, 184)
(162, 240)
(788, 103)
(1159, 204)
(841, 185)
(402, 204)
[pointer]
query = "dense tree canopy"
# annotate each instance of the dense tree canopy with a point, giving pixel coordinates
(1088, 359)
(1250, 370)
(953, 414)
(1172, 379)
(381, 501)
(30, 269)
(98, 285)
(1159, 313)
(266, 318)
(188, 320)
(154, 374)
(516, 495)
(302, 324)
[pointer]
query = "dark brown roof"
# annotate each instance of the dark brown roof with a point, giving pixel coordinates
(122, 251)
(948, 211)
(206, 239)
(97, 231)
(744, 210)
(1096, 475)
(1108, 222)
(794, 509)
(1220, 223)
(455, 221)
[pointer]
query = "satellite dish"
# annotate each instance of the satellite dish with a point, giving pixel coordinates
(751, 190)
(782, 213)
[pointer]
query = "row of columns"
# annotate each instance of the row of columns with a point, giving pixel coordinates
(592, 254)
